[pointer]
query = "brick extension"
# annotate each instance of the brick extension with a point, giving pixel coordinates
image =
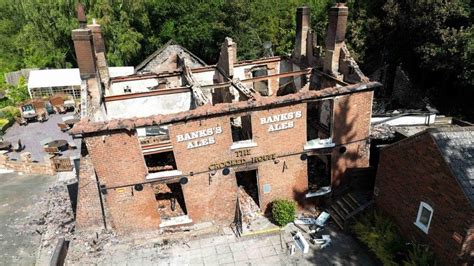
(414, 170)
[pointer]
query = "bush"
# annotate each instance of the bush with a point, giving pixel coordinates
(283, 211)
(419, 255)
(9, 112)
(381, 236)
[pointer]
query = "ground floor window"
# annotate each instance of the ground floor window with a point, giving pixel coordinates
(423, 219)
(170, 199)
(319, 172)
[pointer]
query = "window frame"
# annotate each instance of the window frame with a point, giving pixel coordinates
(418, 223)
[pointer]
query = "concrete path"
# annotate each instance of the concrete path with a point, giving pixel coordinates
(229, 250)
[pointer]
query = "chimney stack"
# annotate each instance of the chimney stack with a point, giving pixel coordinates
(228, 57)
(81, 15)
(98, 40)
(303, 25)
(84, 52)
(335, 37)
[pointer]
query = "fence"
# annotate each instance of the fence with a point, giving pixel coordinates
(62, 164)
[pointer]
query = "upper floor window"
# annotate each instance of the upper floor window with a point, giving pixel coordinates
(262, 85)
(423, 219)
(241, 128)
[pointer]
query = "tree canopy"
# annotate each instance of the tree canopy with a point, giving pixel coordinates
(433, 40)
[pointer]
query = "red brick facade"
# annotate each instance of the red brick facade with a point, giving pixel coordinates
(412, 171)
(118, 161)
(351, 129)
(209, 194)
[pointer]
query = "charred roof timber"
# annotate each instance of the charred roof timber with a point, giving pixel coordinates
(166, 91)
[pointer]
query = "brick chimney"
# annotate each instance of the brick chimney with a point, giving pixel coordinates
(228, 57)
(98, 40)
(85, 55)
(335, 37)
(81, 15)
(100, 55)
(303, 25)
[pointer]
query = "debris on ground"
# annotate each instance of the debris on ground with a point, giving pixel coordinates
(382, 131)
(52, 217)
(248, 207)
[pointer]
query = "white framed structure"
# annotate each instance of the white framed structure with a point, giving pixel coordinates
(48, 82)
(423, 218)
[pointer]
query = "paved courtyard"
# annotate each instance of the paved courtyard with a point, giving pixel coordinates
(32, 134)
(228, 250)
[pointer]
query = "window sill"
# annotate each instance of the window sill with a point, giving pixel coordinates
(320, 192)
(422, 227)
(180, 220)
(243, 144)
(163, 174)
(319, 144)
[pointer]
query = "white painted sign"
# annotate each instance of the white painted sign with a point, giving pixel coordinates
(280, 121)
(199, 138)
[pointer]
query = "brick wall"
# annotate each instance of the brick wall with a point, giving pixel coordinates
(216, 199)
(412, 171)
(27, 166)
(351, 128)
(211, 195)
(89, 213)
(118, 160)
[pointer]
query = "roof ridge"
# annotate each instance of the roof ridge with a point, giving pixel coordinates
(161, 49)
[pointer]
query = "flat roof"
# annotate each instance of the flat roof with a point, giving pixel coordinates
(54, 78)
(46, 78)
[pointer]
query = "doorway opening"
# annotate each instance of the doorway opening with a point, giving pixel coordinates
(247, 183)
(170, 199)
(319, 174)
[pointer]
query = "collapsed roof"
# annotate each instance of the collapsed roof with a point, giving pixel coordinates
(174, 81)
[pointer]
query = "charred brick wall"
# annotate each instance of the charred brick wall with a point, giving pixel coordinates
(412, 171)
(213, 195)
(118, 160)
(351, 125)
(209, 194)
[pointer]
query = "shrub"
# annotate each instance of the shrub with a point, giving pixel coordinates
(419, 255)
(283, 211)
(381, 236)
(9, 112)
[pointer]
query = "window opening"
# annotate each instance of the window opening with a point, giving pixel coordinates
(319, 172)
(170, 199)
(159, 162)
(241, 128)
(262, 85)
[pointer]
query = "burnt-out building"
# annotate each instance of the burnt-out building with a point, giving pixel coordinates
(173, 143)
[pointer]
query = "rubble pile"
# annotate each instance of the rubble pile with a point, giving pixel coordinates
(248, 207)
(92, 244)
(382, 131)
(52, 218)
